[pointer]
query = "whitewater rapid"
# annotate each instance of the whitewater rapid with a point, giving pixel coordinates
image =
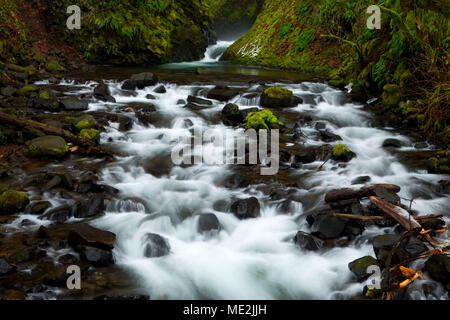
(246, 259)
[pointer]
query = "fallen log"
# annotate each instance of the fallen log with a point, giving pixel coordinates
(403, 217)
(432, 221)
(349, 193)
(21, 123)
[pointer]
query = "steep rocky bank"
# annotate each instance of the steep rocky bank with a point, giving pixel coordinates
(404, 64)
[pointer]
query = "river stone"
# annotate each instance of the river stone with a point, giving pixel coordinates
(68, 259)
(60, 214)
(198, 100)
(309, 242)
(102, 92)
(84, 234)
(208, 222)
(140, 81)
(275, 97)
(48, 146)
(305, 158)
(155, 246)
(160, 89)
(438, 266)
(92, 207)
(393, 143)
(359, 267)
(97, 257)
(6, 268)
(74, 104)
(361, 180)
(328, 136)
(150, 97)
(223, 94)
(47, 100)
(246, 208)
(231, 114)
(328, 226)
(40, 207)
(8, 91)
(12, 202)
(386, 195)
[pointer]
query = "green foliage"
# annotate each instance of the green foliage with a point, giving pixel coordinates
(305, 38)
(286, 29)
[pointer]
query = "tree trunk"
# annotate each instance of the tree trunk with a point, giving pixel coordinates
(348, 193)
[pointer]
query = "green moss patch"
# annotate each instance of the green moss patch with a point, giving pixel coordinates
(264, 119)
(90, 134)
(47, 146)
(12, 202)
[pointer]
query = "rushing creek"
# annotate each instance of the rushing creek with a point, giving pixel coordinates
(253, 258)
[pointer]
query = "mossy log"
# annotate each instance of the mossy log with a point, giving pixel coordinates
(91, 146)
(349, 193)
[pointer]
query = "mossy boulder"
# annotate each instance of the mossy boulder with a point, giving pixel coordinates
(84, 122)
(12, 202)
(47, 146)
(39, 208)
(392, 95)
(54, 67)
(342, 153)
(275, 97)
(47, 100)
(439, 162)
(25, 91)
(90, 134)
(28, 70)
(264, 119)
(359, 266)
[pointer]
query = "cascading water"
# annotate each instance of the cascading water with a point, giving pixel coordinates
(214, 52)
(246, 259)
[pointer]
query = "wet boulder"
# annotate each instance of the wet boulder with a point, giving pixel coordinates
(408, 248)
(392, 143)
(342, 153)
(47, 146)
(12, 202)
(199, 101)
(160, 89)
(68, 259)
(97, 257)
(86, 235)
(359, 267)
(47, 100)
(92, 207)
(438, 267)
(6, 268)
(60, 214)
(328, 227)
(246, 208)
(102, 92)
(8, 91)
(39, 207)
(231, 114)
(208, 222)
(155, 246)
(140, 81)
(275, 97)
(74, 104)
(304, 158)
(308, 242)
(328, 136)
(221, 93)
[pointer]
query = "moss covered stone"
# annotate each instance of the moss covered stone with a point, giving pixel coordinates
(275, 97)
(90, 134)
(359, 266)
(54, 67)
(264, 119)
(342, 153)
(40, 207)
(439, 163)
(47, 146)
(391, 95)
(47, 100)
(25, 91)
(12, 202)
(84, 122)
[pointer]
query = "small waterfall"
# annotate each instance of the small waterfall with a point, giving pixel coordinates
(214, 52)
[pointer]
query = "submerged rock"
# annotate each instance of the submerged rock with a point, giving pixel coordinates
(359, 267)
(155, 246)
(246, 208)
(197, 100)
(309, 242)
(98, 257)
(140, 81)
(102, 92)
(208, 222)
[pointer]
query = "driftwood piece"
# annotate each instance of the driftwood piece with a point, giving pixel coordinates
(19, 122)
(432, 221)
(403, 217)
(349, 193)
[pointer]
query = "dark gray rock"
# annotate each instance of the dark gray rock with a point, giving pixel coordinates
(438, 266)
(97, 257)
(197, 100)
(155, 246)
(140, 81)
(6, 268)
(328, 226)
(208, 222)
(359, 267)
(393, 143)
(309, 242)
(102, 92)
(246, 208)
(74, 104)
(160, 89)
